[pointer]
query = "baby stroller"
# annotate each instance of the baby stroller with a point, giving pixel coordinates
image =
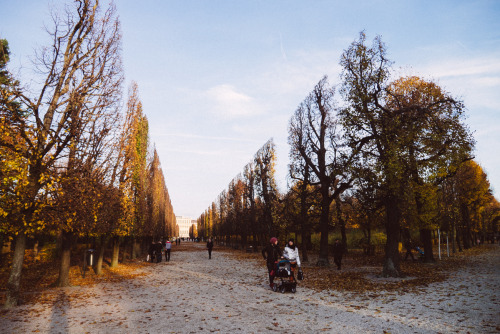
(285, 272)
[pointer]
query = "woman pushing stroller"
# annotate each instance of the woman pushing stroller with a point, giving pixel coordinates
(272, 253)
(282, 264)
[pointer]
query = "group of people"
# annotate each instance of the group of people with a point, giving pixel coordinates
(156, 249)
(272, 254)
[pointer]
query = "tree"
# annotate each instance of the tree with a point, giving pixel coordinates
(82, 71)
(408, 128)
(315, 142)
(433, 140)
(265, 184)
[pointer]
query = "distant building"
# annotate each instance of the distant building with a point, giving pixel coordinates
(184, 224)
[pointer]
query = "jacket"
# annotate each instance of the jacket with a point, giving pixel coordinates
(271, 253)
(292, 254)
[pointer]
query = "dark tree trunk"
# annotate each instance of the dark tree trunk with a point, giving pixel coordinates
(100, 256)
(341, 221)
(12, 298)
(66, 245)
(2, 239)
(115, 251)
(136, 248)
(305, 255)
(36, 250)
(465, 226)
(324, 229)
(392, 259)
(453, 238)
(457, 235)
(426, 238)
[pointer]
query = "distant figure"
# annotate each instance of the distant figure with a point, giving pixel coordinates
(272, 253)
(409, 247)
(151, 252)
(338, 251)
(158, 250)
(168, 247)
(210, 246)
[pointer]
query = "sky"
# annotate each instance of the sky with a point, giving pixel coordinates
(218, 78)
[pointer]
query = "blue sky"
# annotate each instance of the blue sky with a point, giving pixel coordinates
(219, 78)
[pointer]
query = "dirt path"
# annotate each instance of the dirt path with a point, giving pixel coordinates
(191, 294)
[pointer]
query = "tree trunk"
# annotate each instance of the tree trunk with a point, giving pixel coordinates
(465, 226)
(425, 237)
(100, 257)
(2, 238)
(392, 259)
(116, 251)
(135, 248)
(324, 229)
(36, 250)
(453, 236)
(12, 298)
(66, 244)
(341, 221)
(457, 235)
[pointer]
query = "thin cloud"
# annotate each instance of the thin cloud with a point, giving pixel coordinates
(228, 102)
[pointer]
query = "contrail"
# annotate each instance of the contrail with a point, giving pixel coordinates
(282, 49)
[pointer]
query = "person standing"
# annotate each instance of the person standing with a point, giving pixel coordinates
(151, 252)
(409, 247)
(158, 250)
(168, 247)
(291, 253)
(210, 246)
(271, 254)
(338, 252)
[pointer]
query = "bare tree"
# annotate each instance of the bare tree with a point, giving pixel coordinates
(82, 74)
(315, 142)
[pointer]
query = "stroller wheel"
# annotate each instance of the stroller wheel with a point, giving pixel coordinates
(282, 289)
(293, 289)
(275, 287)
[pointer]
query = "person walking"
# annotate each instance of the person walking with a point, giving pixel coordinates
(210, 246)
(271, 254)
(338, 252)
(168, 247)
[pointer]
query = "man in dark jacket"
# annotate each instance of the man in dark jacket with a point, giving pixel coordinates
(272, 253)
(210, 246)
(338, 251)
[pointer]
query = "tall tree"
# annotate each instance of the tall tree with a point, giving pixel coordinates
(81, 68)
(434, 141)
(408, 127)
(265, 160)
(316, 142)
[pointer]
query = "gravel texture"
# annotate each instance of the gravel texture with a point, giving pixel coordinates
(192, 294)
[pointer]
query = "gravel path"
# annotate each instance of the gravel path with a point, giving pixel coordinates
(192, 294)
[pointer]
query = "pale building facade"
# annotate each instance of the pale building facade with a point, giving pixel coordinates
(184, 224)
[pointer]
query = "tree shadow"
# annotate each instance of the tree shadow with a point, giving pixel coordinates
(58, 320)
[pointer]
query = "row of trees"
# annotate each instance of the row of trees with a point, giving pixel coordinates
(391, 153)
(247, 212)
(71, 164)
